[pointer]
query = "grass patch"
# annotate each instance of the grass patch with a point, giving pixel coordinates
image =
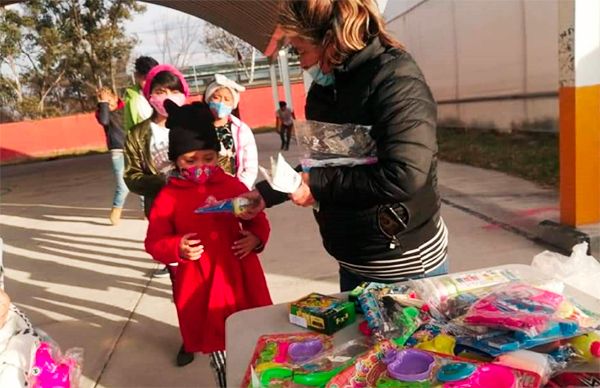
(533, 156)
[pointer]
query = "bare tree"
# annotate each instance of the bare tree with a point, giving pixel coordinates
(179, 41)
(222, 42)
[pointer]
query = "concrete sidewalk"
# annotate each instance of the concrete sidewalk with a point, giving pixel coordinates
(88, 284)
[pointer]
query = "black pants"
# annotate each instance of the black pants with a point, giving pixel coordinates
(285, 133)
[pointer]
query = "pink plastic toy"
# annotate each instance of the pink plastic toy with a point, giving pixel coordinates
(49, 371)
(487, 376)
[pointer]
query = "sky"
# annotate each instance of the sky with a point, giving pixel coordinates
(149, 30)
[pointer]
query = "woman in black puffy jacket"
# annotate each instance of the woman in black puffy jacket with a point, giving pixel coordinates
(381, 222)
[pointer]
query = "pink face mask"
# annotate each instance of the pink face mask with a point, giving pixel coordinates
(157, 102)
(198, 174)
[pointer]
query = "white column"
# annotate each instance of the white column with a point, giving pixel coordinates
(285, 76)
(274, 86)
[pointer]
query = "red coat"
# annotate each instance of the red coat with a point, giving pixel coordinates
(208, 290)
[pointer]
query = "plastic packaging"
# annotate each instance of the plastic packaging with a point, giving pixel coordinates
(517, 306)
(328, 144)
(538, 363)
(579, 271)
(450, 296)
(234, 206)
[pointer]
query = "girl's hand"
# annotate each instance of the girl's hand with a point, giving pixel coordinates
(246, 244)
(302, 196)
(190, 249)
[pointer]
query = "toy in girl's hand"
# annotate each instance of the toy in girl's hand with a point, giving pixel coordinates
(51, 370)
(236, 206)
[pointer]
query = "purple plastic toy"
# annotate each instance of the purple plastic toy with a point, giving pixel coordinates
(410, 365)
(305, 350)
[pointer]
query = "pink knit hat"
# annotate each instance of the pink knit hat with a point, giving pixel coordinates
(171, 69)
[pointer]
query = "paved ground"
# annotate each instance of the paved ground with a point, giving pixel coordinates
(88, 284)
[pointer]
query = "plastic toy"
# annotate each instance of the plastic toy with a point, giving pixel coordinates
(236, 206)
(442, 343)
(486, 376)
(587, 345)
(517, 306)
(277, 351)
(500, 343)
(302, 351)
(51, 370)
(410, 365)
(456, 371)
(537, 363)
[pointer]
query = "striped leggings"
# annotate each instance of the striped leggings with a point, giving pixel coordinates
(218, 363)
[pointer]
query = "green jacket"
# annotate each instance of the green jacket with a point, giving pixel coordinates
(131, 116)
(141, 175)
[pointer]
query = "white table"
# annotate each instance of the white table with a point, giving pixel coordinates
(244, 328)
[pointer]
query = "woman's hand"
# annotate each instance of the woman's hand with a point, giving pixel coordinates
(246, 244)
(302, 196)
(257, 205)
(190, 249)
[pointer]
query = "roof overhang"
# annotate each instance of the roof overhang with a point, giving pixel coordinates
(254, 21)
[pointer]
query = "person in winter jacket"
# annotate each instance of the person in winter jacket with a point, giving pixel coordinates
(146, 161)
(109, 115)
(382, 221)
(137, 108)
(237, 155)
(218, 270)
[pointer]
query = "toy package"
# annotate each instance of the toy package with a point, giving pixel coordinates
(387, 366)
(450, 296)
(322, 313)
(518, 307)
(303, 359)
(234, 206)
(328, 144)
(51, 369)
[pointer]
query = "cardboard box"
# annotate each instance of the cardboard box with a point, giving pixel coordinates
(322, 313)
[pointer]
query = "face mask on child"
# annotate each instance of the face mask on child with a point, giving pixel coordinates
(318, 76)
(220, 109)
(158, 101)
(198, 174)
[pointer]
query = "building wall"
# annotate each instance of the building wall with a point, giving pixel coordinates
(80, 133)
(491, 63)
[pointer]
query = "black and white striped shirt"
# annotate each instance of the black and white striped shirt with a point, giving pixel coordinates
(422, 260)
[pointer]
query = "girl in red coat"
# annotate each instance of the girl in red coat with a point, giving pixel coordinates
(219, 272)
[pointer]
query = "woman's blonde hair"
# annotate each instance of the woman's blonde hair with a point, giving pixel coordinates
(340, 27)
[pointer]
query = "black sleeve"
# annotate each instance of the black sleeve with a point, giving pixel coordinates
(270, 196)
(405, 134)
(103, 113)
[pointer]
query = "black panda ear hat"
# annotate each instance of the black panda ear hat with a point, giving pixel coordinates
(190, 129)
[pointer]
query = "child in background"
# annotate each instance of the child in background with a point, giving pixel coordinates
(137, 108)
(109, 115)
(146, 148)
(218, 271)
(237, 155)
(284, 124)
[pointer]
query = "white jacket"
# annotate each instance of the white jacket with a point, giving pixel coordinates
(246, 155)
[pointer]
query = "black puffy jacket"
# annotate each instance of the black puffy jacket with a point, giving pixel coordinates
(384, 88)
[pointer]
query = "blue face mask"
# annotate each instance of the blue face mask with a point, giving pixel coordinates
(220, 109)
(319, 77)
